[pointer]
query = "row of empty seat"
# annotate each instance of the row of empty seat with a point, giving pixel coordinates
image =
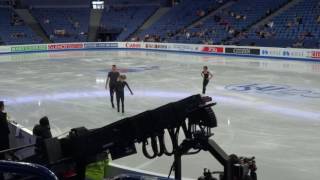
(64, 24)
(296, 26)
(13, 30)
(126, 19)
(230, 21)
(180, 16)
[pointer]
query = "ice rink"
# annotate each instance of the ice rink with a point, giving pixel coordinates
(266, 108)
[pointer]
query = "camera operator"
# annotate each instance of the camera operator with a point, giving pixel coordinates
(245, 168)
(4, 133)
(207, 175)
(42, 132)
(253, 169)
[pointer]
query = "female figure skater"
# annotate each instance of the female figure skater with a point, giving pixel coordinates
(206, 77)
(119, 88)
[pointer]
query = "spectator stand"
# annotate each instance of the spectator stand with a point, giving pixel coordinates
(179, 17)
(296, 27)
(64, 24)
(13, 30)
(230, 21)
(120, 21)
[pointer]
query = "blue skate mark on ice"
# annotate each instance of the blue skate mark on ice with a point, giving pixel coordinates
(273, 90)
(82, 95)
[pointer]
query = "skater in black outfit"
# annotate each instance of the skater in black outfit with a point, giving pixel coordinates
(121, 83)
(112, 80)
(206, 77)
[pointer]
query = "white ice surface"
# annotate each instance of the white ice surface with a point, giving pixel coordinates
(281, 131)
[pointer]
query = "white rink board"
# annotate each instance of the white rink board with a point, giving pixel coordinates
(285, 53)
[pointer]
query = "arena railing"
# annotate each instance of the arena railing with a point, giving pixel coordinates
(244, 51)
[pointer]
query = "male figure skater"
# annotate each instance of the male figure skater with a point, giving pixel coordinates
(112, 80)
(206, 77)
(121, 83)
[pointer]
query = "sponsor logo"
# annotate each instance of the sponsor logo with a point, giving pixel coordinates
(297, 53)
(315, 54)
(29, 48)
(242, 51)
(133, 45)
(273, 90)
(107, 45)
(100, 45)
(285, 53)
(182, 47)
(156, 46)
(65, 46)
(293, 53)
(212, 49)
(282, 53)
(266, 52)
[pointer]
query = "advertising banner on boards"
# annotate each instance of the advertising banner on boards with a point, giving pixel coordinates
(242, 51)
(27, 48)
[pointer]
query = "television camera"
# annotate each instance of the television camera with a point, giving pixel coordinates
(192, 115)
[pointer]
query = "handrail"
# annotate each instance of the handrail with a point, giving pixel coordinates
(16, 149)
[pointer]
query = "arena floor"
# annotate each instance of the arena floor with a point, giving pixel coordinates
(266, 108)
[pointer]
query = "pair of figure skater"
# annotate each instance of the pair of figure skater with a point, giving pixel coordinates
(117, 83)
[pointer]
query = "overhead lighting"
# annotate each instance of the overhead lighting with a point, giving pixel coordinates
(98, 4)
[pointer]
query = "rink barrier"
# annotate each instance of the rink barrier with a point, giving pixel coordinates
(244, 51)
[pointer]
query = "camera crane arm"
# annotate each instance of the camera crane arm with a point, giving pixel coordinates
(193, 115)
(138, 128)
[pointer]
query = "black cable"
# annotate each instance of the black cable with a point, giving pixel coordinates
(154, 145)
(172, 166)
(162, 146)
(186, 130)
(162, 149)
(145, 152)
(172, 137)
